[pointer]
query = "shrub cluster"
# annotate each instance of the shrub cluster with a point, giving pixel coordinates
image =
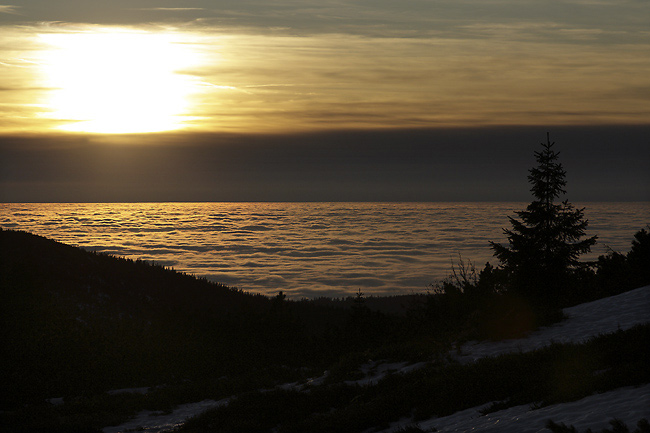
(481, 304)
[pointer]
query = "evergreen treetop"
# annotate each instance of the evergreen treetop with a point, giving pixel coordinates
(544, 246)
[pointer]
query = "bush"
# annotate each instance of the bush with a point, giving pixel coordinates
(617, 272)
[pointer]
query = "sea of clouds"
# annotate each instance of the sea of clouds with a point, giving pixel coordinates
(305, 249)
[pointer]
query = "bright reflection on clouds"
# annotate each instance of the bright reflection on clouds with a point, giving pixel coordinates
(304, 249)
(206, 77)
(117, 81)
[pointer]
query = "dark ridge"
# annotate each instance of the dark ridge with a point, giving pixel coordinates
(75, 322)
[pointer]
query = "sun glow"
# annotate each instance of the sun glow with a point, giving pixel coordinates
(117, 81)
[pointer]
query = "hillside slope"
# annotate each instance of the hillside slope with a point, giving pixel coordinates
(75, 322)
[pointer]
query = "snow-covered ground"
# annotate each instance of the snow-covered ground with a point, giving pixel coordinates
(153, 422)
(374, 371)
(144, 390)
(584, 321)
(626, 404)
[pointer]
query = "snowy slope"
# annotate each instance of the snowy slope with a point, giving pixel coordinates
(603, 316)
(626, 404)
(584, 321)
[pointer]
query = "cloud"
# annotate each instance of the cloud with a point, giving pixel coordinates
(447, 164)
(385, 19)
(271, 280)
(169, 9)
(385, 65)
(185, 234)
(9, 9)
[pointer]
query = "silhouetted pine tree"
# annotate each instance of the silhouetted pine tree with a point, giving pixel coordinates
(544, 247)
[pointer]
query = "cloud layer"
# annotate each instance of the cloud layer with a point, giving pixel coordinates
(480, 164)
(307, 65)
(306, 249)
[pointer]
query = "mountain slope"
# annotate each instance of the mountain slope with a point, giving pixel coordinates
(75, 322)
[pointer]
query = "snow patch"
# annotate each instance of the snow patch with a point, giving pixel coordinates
(153, 422)
(629, 404)
(585, 321)
(299, 386)
(374, 371)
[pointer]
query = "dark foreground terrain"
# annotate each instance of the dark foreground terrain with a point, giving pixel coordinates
(76, 324)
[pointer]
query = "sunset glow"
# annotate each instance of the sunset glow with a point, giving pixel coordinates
(116, 82)
(201, 199)
(317, 100)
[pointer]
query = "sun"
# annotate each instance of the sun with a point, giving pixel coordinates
(117, 81)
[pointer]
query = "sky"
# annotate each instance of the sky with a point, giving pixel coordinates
(305, 100)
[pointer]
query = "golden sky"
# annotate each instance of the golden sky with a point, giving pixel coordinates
(143, 66)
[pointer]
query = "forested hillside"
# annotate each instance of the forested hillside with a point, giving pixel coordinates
(76, 322)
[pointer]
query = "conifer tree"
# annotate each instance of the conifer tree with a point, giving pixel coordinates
(544, 246)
